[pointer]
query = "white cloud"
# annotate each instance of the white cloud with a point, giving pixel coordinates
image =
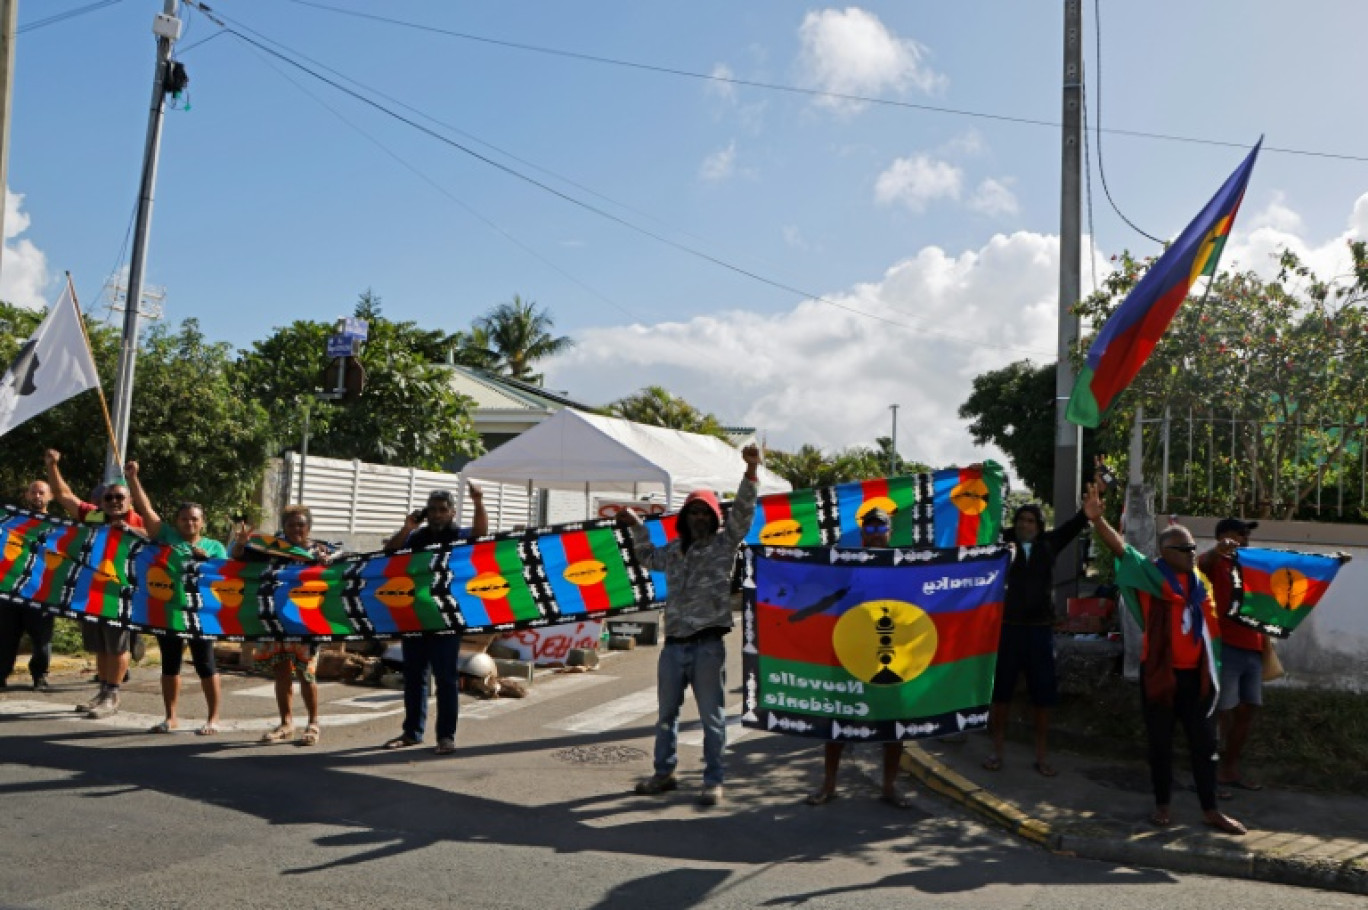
(720, 165)
(794, 237)
(915, 181)
(851, 52)
(722, 89)
(995, 198)
(23, 267)
(1278, 227)
(824, 375)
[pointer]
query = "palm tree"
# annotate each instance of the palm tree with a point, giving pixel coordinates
(656, 406)
(519, 335)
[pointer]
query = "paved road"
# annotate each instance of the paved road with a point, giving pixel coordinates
(534, 810)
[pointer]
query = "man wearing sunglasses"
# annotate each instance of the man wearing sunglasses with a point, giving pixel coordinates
(109, 644)
(1179, 674)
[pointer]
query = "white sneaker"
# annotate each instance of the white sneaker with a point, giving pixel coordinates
(710, 795)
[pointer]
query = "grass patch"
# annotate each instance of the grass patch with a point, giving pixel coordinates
(1303, 739)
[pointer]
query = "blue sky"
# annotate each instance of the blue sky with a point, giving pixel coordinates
(942, 228)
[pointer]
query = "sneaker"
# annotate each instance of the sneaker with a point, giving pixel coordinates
(41, 684)
(446, 745)
(107, 706)
(710, 795)
(656, 783)
(86, 708)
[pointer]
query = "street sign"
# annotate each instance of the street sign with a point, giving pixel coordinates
(352, 327)
(343, 345)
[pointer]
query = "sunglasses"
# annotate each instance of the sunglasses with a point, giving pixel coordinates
(114, 497)
(1186, 548)
(875, 529)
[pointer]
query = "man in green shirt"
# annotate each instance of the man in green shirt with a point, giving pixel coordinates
(187, 536)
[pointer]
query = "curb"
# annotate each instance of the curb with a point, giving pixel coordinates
(1304, 872)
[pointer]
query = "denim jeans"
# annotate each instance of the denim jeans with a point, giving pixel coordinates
(441, 654)
(702, 666)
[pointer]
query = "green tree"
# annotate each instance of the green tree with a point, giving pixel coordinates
(517, 335)
(1014, 409)
(1287, 359)
(408, 414)
(194, 435)
(656, 406)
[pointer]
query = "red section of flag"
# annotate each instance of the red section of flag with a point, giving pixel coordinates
(156, 609)
(577, 549)
(874, 489)
(485, 561)
(967, 534)
(228, 617)
(406, 620)
(313, 618)
(961, 634)
(1257, 582)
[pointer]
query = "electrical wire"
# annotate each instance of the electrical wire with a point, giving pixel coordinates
(917, 324)
(798, 90)
(1101, 168)
(64, 16)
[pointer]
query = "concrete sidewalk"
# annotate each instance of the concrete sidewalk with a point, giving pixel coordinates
(1098, 808)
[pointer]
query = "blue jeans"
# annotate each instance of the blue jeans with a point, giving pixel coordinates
(703, 666)
(441, 654)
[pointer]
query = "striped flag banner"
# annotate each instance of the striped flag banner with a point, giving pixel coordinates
(568, 573)
(1281, 587)
(871, 645)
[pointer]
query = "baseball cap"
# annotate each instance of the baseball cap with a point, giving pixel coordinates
(1234, 526)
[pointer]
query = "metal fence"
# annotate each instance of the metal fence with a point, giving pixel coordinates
(1214, 463)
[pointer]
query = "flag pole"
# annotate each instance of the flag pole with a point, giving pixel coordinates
(99, 389)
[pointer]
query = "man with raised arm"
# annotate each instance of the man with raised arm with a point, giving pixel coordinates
(109, 644)
(698, 567)
(1179, 671)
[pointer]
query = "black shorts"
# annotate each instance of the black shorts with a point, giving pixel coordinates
(1029, 650)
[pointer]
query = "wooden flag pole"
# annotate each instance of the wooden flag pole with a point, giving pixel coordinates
(99, 389)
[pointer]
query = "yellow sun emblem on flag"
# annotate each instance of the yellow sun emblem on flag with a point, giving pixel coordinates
(885, 642)
(1289, 588)
(970, 496)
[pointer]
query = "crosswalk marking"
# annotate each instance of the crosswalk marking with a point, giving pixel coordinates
(610, 715)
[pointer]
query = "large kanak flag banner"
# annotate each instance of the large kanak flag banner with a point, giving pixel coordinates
(1131, 333)
(866, 645)
(52, 366)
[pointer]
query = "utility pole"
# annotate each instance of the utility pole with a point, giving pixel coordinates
(9, 24)
(1068, 437)
(167, 28)
(893, 445)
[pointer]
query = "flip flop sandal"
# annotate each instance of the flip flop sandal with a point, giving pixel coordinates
(400, 742)
(1161, 819)
(281, 734)
(1240, 784)
(207, 730)
(820, 797)
(162, 727)
(1046, 770)
(310, 737)
(992, 763)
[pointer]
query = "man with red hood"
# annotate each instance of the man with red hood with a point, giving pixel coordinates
(698, 567)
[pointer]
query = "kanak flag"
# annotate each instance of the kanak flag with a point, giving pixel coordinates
(1132, 332)
(52, 366)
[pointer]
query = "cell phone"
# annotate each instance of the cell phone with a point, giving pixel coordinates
(419, 516)
(1105, 475)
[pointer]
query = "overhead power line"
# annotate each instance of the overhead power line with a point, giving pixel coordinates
(62, 17)
(922, 325)
(800, 90)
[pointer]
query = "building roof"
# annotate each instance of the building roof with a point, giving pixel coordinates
(500, 393)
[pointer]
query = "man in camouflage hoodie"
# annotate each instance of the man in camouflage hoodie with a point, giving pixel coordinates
(697, 566)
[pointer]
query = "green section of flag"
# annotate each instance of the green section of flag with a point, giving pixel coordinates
(616, 583)
(511, 568)
(831, 692)
(1082, 408)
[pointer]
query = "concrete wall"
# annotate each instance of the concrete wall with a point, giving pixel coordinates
(1330, 647)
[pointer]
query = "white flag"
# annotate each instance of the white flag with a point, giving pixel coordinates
(52, 366)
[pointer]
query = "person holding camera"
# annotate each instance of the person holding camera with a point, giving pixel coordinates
(434, 525)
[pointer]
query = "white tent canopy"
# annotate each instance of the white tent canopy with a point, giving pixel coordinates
(572, 450)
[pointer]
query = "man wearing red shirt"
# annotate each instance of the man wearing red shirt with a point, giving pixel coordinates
(110, 644)
(1241, 651)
